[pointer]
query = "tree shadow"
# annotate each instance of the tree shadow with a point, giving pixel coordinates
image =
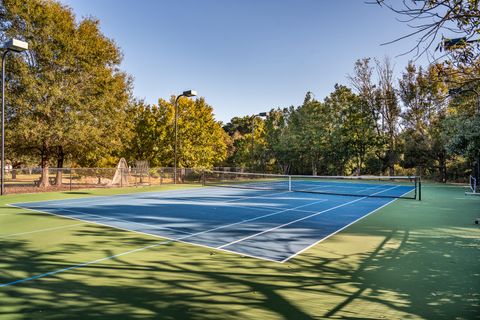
(417, 266)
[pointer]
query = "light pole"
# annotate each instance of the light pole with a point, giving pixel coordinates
(261, 114)
(15, 46)
(188, 93)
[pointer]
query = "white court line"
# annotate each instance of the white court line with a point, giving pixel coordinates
(120, 228)
(220, 227)
(85, 264)
(297, 220)
(376, 187)
(192, 202)
(129, 195)
(130, 251)
(258, 196)
(288, 223)
(181, 240)
(189, 233)
(90, 199)
(229, 205)
(246, 206)
(344, 227)
(122, 220)
(40, 230)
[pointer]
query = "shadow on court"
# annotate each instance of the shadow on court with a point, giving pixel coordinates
(273, 226)
(408, 260)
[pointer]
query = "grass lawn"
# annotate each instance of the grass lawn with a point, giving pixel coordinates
(409, 260)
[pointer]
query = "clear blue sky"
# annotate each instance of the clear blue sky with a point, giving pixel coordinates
(244, 56)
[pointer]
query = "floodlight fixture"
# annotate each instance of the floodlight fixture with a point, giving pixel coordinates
(189, 93)
(15, 45)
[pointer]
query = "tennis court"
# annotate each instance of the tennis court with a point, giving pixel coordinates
(256, 217)
(55, 268)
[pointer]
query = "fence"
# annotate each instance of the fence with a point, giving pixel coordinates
(60, 179)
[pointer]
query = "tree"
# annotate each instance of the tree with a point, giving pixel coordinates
(453, 28)
(152, 135)
(202, 139)
(462, 127)
(67, 97)
(242, 125)
(358, 127)
(244, 147)
(463, 135)
(202, 143)
(422, 96)
(381, 99)
(450, 26)
(277, 136)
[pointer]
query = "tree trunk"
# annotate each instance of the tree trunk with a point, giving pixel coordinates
(391, 170)
(60, 159)
(443, 167)
(391, 161)
(419, 171)
(44, 183)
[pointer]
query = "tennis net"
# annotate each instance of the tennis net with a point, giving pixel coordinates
(408, 187)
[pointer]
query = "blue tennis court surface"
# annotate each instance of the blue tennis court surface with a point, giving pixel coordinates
(265, 224)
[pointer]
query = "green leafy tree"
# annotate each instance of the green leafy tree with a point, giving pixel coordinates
(422, 96)
(67, 97)
(462, 127)
(381, 99)
(202, 143)
(152, 135)
(202, 139)
(280, 153)
(354, 135)
(241, 153)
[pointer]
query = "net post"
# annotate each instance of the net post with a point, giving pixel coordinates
(419, 188)
(289, 183)
(415, 184)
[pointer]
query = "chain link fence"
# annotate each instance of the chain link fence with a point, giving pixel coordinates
(28, 180)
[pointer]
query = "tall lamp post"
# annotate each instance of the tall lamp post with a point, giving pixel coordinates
(12, 45)
(262, 115)
(188, 93)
